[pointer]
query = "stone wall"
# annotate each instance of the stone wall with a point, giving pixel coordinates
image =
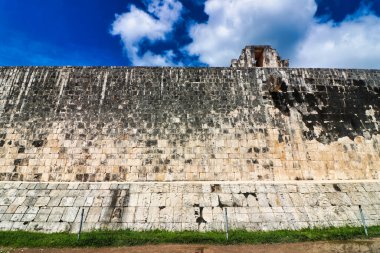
(279, 148)
(188, 124)
(53, 207)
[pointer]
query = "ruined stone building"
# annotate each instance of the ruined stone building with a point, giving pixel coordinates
(170, 148)
(259, 56)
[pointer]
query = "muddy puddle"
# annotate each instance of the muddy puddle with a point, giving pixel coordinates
(359, 246)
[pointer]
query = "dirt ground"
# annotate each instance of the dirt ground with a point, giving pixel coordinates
(358, 246)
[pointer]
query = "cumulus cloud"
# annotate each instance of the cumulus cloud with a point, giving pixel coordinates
(137, 25)
(234, 24)
(151, 59)
(290, 27)
(353, 43)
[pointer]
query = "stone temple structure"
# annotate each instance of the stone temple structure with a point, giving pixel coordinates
(259, 56)
(172, 148)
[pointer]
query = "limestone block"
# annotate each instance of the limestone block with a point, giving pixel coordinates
(372, 213)
(374, 197)
(205, 200)
(106, 214)
(9, 193)
(52, 186)
(19, 210)
(32, 210)
(297, 199)
(235, 188)
(371, 187)
(70, 214)
(339, 199)
(6, 216)
(6, 225)
(174, 199)
(190, 200)
(42, 201)
(310, 199)
(58, 193)
(62, 186)
(74, 193)
(4, 201)
(225, 199)
(28, 217)
(79, 201)
(206, 188)
(312, 213)
(262, 200)
(30, 201)
(128, 214)
(291, 188)
(177, 213)
(270, 188)
(239, 200)
(352, 213)
(18, 200)
(88, 202)
(330, 214)
(19, 226)
(141, 214)
(73, 186)
(273, 200)
(96, 201)
(300, 225)
(83, 186)
(41, 216)
(247, 188)
(323, 200)
(107, 201)
(359, 198)
(49, 227)
(303, 188)
(225, 188)
(16, 217)
(189, 226)
(4, 208)
(158, 199)
(153, 214)
(252, 200)
(54, 201)
(242, 217)
(56, 214)
(93, 214)
(133, 199)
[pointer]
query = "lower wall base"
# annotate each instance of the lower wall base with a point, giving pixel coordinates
(57, 207)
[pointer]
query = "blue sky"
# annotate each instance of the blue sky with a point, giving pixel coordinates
(311, 33)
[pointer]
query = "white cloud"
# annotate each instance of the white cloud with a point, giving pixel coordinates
(136, 25)
(354, 43)
(235, 24)
(151, 59)
(287, 25)
(290, 27)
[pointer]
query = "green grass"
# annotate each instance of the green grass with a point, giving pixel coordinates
(17, 239)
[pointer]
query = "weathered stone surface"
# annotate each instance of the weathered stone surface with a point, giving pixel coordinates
(276, 206)
(259, 56)
(172, 148)
(181, 124)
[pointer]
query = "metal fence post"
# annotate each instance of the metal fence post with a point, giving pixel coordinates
(226, 221)
(81, 223)
(363, 220)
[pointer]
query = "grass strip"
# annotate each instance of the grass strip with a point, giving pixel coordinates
(103, 238)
